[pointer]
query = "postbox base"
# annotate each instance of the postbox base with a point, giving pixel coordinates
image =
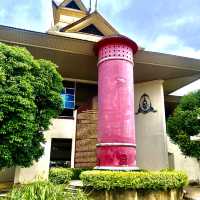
(117, 168)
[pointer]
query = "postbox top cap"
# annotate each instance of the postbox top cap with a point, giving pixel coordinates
(116, 40)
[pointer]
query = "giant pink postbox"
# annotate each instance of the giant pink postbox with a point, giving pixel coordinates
(116, 145)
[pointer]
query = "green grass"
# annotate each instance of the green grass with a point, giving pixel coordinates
(44, 191)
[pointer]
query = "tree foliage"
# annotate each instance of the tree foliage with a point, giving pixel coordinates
(184, 123)
(29, 99)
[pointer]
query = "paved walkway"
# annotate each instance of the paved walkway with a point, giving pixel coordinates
(76, 183)
(193, 193)
(5, 186)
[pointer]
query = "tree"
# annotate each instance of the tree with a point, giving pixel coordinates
(29, 98)
(184, 123)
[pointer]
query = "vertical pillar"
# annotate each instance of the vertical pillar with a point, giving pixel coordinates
(116, 148)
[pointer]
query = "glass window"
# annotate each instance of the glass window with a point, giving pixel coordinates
(68, 96)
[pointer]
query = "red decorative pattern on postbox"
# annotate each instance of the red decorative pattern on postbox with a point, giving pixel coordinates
(116, 51)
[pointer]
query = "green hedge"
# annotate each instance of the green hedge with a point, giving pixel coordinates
(60, 175)
(109, 180)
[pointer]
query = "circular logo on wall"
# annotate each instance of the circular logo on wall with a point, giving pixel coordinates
(145, 105)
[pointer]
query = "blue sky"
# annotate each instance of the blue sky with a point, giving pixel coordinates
(166, 26)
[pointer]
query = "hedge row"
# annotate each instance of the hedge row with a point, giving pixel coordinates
(60, 175)
(109, 180)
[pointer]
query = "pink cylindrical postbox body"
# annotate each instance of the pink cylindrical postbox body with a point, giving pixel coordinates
(116, 145)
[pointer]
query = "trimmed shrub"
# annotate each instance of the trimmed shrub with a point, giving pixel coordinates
(109, 180)
(63, 171)
(44, 191)
(60, 175)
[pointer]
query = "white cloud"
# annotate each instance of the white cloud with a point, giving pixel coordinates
(187, 52)
(173, 45)
(181, 21)
(22, 20)
(114, 6)
(163, 42)
(46, 14)
(2, 13)
(29, 15)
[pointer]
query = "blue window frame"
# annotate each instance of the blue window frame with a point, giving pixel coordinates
(68, 96)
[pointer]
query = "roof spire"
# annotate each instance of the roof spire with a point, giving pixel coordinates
(96, 5)
(90, 6)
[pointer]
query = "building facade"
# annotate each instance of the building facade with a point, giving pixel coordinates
(72, 138)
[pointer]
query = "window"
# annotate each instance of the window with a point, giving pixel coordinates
(68, 97)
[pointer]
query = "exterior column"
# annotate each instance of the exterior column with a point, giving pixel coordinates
(116, 145)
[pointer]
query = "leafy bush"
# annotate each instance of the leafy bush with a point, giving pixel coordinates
(29, 98)
(60, 175)
(109, 180)
(71, 173)
(44, 191)
(185, 123)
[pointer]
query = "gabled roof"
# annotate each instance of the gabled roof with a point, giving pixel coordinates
(94, 19)
(76, 3)
(70, 53)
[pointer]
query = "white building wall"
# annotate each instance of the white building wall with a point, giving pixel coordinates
(153, 144)
(151, 128)
(39, 170)
(190, 165)
(60, 128)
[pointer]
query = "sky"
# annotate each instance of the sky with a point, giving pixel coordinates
(166, 26)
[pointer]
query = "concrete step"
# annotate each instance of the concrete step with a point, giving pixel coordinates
(3, 195)
(76, 184)
(192, 193)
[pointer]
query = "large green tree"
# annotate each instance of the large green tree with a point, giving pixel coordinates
(185, 122)
(29, 98)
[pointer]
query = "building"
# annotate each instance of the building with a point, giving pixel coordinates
(72, 137)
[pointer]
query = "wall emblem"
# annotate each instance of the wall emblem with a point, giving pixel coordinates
(145, 105)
